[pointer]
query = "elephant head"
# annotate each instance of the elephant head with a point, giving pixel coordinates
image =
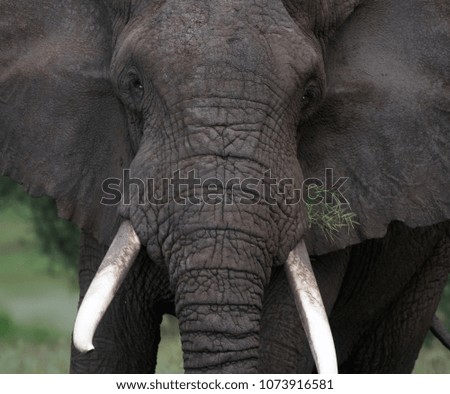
(217, 92)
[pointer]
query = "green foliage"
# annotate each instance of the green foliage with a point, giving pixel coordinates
(12, 332)
(444, 306)
(433, 358)
(11, 193)
(36, 310)
(170, 357)
(31, 349)
(21, 356)
(57, 238)
(330, 217)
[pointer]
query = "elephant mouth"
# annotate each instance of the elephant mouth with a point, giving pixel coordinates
(121, 255)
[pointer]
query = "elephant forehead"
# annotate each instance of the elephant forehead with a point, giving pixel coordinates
(251, 37)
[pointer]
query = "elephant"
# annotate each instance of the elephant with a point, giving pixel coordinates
(103, 99)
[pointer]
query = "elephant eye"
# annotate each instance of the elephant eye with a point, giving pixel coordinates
(136, 87)
(310, 97)
(131, 88)
(307, 97)
(137, 84)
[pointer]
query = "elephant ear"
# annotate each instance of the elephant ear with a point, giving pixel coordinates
(385, 120)
(62, 130)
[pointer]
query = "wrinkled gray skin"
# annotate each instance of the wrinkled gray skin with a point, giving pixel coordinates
(230, 89)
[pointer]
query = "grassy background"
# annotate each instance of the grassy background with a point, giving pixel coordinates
(38, 304)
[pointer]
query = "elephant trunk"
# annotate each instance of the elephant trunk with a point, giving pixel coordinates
(218, 304)
(217, 301)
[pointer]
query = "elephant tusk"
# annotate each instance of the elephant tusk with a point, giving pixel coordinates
(110, 275)
(310, 307)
